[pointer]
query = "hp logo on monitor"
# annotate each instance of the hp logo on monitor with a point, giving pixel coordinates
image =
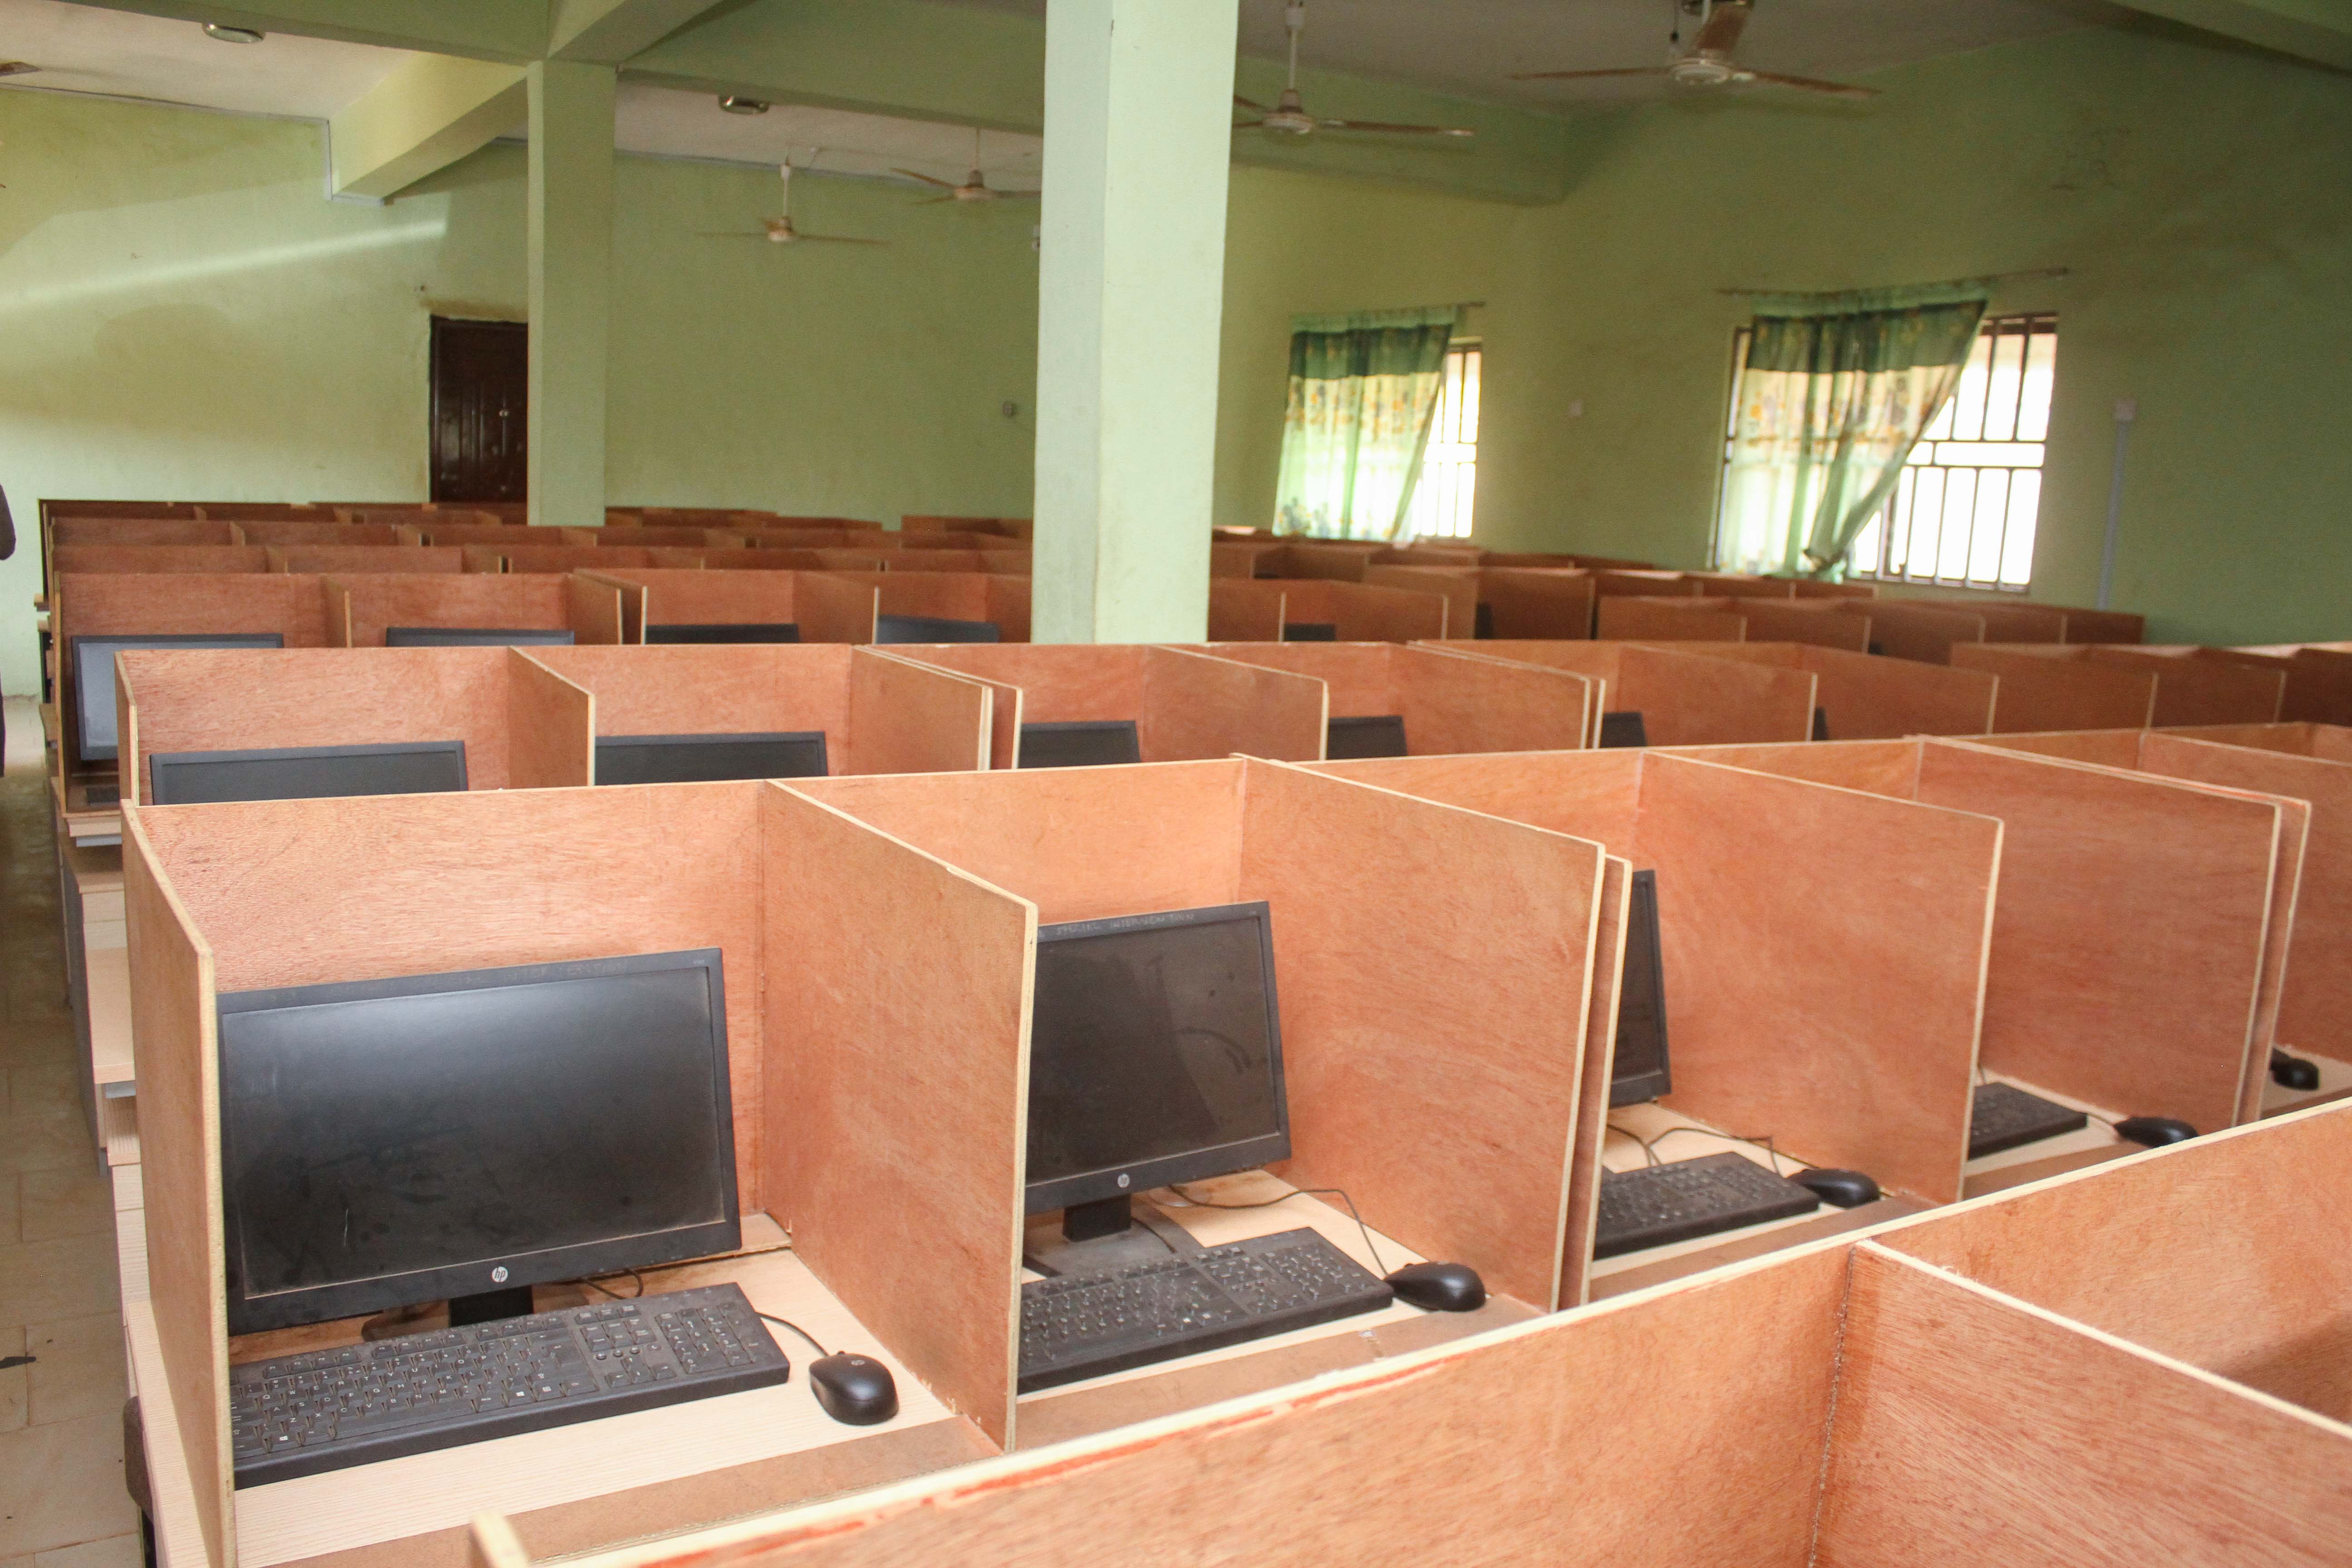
(1122, 1181)
(498, 1275)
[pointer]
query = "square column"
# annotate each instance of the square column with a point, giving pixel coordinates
(570, 245)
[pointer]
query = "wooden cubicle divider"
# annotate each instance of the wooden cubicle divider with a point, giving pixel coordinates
(341, 560)
(1627, 618)
(1185, 705)
(1243, 609)
(1813, 621)
(1458, 585)
(1913, 628)
(2040, 693)
(117, 559)
(555, 558)
(1828, 994)
(1645, 582)
(429, 530)
(1580, 1219)
(1740, 586)
(1246, 611)
(877, 714)
(1531, 604)
(2201, 686)
(280, 530)
(1685, 698)
(1004, 563)
(2113, 885)
(524, 727)
(1449, 701)
(691, 597)
(2318, 679)
(359, 608)
(719, 558)
(946, 595)
(1864, 699)
(173, 531)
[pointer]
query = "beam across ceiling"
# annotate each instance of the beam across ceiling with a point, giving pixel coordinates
(609, 31)
(509, 30)
(432, 111)
(2319, 30)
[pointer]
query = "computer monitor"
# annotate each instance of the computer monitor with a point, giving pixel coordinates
(1821, 723)
(726, 632)
(387, 1142)
(1482, 623)
(1364, 735)
(931, 629)
(1640, 1072)
(1624, 729)
(1310, 631)
(476, 636)
(305, 773)
(1081, 743)
(700, 759)
(1155, 1056)
(93, 672)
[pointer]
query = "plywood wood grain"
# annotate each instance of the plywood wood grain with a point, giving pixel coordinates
(1361, 613)
(1866, 698)
(1592, 794)
(1448, 1113)
(289, 530)
(2089, 626)
(517, 557)
(111, 531)
(900, 1090)
(2038, 693)
(550, 724)
(1630, 618)
(454, 599)
(837, 606)
(1609, 934)
(1645, 583)
(1528, 602)
(1812, 621)
(906, 718)
(1688, 699)
(1452, 702)
(2127, 946)
(134, 558)
(2190, 690)
(1458, 585)
(1241, 610)
(1196, 707)
(1972, 1427)
(343, 560)
(1905, 628)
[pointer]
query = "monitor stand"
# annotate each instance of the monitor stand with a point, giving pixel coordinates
(1103, 1237)
(431, 1317)
(490, 1305)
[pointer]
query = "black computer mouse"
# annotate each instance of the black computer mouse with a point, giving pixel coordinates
(2155, 1130)
(1440, 1287)
(1846, 1189)
(2293, 1072)
(855, 1390)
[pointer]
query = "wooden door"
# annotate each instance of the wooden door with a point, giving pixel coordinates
(481, 388)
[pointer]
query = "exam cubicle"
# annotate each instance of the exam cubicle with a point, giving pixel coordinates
(115, 558)
(1860, 698)
(999, 600)
(2191, 685)
(1322, 610)
(1429, 701)
(344, 559)
(505, 557)
(1683, 699)
(360, 608)
(680, 603)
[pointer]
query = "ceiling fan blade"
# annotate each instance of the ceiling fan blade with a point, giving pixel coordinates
(1586, 76)
(1250, 103)
(1018, 195)
(1807, 84)
(943, 184)
(1249, 124)
(1386, 128)
(1720, 35)
(733, 234)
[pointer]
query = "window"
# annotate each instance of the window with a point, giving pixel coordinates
(1449, 465)
(1963, 513)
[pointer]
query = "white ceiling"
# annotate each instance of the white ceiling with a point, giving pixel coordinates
(81, 48)
(667, 121)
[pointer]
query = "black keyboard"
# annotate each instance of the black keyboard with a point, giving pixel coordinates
(1084, 1325)
(2005, 1115)
(323, 1410)
(1689, 1198)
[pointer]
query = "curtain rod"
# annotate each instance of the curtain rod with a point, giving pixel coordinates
(1944, 283)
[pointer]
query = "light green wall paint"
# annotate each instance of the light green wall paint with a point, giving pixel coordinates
(2196, 194)
(432, 111)
(569, 262)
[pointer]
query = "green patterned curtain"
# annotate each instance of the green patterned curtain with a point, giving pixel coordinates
(1364, 390)
(1832, 397)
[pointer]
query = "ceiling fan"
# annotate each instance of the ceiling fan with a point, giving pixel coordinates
(975, 186)
(779, 229)
(1709, 61)
(1288, 117)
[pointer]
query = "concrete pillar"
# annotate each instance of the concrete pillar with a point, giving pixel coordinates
(570, 287)
(1139, 106)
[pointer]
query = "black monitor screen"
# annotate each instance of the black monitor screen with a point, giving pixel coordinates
(1085, 743)
(1310, 631)
(385, 1142)
(1624, 729)
(727, 632)
(93, 672)
(1155, 1054)
(474, 636)
(1821, 723)
(306, 772)
(931, 629)
(700, 759)
(1364, 735)
(1640, 1072)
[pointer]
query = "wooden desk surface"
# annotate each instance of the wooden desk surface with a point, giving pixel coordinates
(2334, 1083)
(109, 980)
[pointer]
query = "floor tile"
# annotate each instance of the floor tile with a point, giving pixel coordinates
(16, 1384)
(73, 1200)
(44, 1280)
(46, 1143)
(8, 1222)
(61, 1484)
(77, 1369)
(115, 1551)
(42, 1088)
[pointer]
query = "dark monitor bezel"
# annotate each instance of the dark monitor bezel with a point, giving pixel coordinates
(743, 737)
(484, 636)
(701, 634)
(80, 647)
(1081, 727)
(1194, 1164)
(324, 1303)
(1310, 631)
(1363, 724)
(1641, 927)
(159, 763)
(940, 624)
(1627, 719)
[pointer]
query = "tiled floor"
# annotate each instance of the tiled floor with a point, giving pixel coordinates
(62, 1504)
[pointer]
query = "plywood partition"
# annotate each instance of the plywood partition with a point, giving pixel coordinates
(190, 530)
(1908, 628)
(1458, 585)
(1971, 1427)
(360, 607)
(267, 530)
(1645, 583)
(1829, 992)
(2088, 626)
(908, 719)
(1449, 701)
(1814, 621)
(948, 595)
(1739, 585)
(2318, 680)
(555, 558)
(1581, 1224)
(1685, 698)
(1241, 610)
(674, 596)
(1526, 603)
(904, 1006)
(2009, 620)
(550, 725)
(2194, 691)
(1862, 699)
(172, 1031)
(2044, 693)
(1626, 617)
(135, 558)
(1361, 613)
(341, 560)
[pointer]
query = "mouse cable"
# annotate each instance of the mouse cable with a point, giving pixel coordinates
(795, 1328)
(1300, 1192)
(1764, 1141)
(600, 1289)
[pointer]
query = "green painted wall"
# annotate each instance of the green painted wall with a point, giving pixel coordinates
(2197, 194)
